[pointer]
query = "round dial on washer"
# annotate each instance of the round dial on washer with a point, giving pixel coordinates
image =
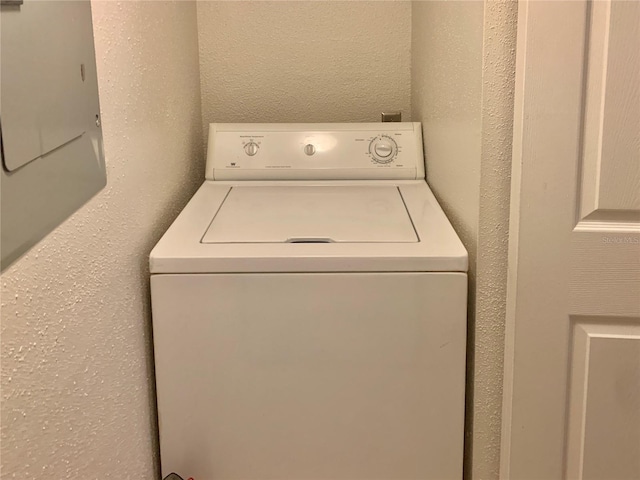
(383, 149)
(251, 148)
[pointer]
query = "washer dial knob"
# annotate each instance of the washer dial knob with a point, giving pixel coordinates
(251, 148)
(383, 149)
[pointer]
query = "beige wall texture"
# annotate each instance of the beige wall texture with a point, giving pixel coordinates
(463, 57)
(76, 391)
(498, 83)
(304, 61)
(446, 96)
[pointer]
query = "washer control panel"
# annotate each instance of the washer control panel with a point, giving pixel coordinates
(315, 151)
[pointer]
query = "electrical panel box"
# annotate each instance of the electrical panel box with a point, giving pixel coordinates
(52, 155)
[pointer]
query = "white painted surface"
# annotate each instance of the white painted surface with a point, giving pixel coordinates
(462, 90)
(76, 366)
(304, 61)
(498, 77)
(572, 382)
(612, 123)
(311, 376)
(604, 425)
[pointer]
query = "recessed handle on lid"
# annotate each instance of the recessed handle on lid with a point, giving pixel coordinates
(310, 240)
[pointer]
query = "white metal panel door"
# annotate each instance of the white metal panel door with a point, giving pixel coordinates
(311, 376)
(572, 363)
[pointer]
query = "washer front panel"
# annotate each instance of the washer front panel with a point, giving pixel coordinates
(311, 376)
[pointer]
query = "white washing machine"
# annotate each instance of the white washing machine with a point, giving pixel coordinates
(309, 311)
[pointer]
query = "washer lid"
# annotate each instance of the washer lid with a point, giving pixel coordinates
(312, 214)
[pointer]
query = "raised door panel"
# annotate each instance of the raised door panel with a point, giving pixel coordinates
(611, 140)
(604, 414)
(605, 243)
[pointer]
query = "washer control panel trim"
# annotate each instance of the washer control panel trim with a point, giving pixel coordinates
(315, 151)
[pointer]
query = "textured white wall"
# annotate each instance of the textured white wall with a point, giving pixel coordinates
(301, 61)
(463, 57)
(498, 84)
(76, 363)
(446, 96)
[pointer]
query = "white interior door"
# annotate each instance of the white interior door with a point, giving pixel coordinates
(572, 362)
